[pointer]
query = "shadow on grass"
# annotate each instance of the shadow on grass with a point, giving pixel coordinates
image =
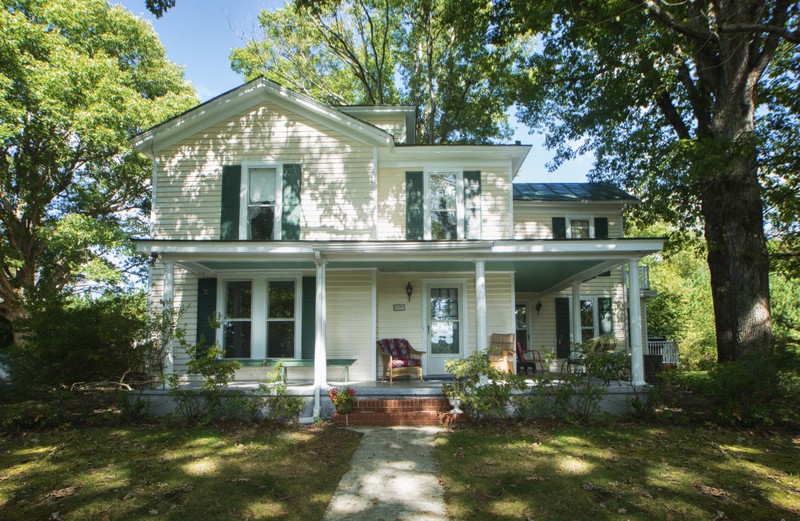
(619, 472)
(233, 472)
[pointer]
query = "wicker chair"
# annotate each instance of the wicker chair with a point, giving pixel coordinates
(399, 358)
(501, 351)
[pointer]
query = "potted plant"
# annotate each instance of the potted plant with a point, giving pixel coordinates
(343, 400)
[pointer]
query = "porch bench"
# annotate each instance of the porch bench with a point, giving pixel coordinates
(344, 363)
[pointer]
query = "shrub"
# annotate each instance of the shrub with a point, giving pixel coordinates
(80, 340)
(485, 392)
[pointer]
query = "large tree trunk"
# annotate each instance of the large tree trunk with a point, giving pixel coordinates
(738, 260)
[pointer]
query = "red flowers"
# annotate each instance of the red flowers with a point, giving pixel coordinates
(346, 396)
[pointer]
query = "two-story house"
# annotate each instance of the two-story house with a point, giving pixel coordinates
(312, 231)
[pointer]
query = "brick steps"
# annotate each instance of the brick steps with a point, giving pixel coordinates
(385, 412)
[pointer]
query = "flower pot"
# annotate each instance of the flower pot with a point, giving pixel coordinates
(344, 408)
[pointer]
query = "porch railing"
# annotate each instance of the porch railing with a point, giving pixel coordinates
(667, 349)
(644, 276)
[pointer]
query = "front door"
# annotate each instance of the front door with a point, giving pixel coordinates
(444, 324)
(522, 318)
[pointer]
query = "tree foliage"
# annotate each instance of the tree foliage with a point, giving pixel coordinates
(666, 95)
(434, 55)
(77, 78)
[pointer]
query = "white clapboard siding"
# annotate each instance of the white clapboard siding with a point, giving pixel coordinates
(184, 302)
(336, 184)
(495, 213)
(350, 321)
(535, 221)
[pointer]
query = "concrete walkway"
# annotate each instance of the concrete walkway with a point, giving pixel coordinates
(393, 476)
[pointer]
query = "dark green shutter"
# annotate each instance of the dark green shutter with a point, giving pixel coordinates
(559, 227)
(415, 229)
(562, 328)
(472, 204)
(601, 227)
(605, 313)
(206, 309)
(309, 310)
(231, 201)
(290, 223)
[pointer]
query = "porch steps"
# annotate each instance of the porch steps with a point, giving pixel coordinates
(386, 412)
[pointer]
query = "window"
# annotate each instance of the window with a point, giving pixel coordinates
(443, 205)
(262, 317)
(237, 327)
(261, 214)
(262, 204)
(580, 227)
(280, 319)
(596, 315)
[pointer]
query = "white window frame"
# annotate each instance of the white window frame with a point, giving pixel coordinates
(460, 210)
(244, 198)
(595, 318)
(258, 311)
(579, 217)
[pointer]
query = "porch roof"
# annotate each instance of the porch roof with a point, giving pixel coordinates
(540, 266)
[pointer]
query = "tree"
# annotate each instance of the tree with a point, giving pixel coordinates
(77, 78)
(421, 53)
(667, 95)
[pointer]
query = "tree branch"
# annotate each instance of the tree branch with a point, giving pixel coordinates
(666, 18)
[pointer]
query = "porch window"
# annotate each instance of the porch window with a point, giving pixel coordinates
(280, 319)
(237, 328)
(262, 317)
(596, 317)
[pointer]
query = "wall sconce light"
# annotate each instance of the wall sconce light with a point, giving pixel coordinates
(538, 307)
(153, 259)
(409, 291)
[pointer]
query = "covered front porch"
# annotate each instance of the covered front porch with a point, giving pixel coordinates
(364, 291)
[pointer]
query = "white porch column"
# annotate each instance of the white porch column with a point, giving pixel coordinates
(480, 304)
(168, 297)
(577, 334)
(635, 303)
(320, 347)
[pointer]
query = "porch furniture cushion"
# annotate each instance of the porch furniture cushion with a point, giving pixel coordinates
(399, 358)
(501, 351)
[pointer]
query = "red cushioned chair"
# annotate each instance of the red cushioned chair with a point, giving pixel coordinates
(399, 358)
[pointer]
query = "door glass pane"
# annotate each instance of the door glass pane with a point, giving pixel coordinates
(237, 339)
(281, 299)
(444, 336)
(280, 339)
(579, 228)
(238, 296)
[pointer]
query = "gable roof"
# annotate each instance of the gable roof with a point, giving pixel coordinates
(576, 192)
(245, 97)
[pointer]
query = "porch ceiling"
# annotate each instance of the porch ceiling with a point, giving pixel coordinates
(531, 276)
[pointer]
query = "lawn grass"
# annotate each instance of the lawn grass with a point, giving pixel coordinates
(619, 472)
(156, 472)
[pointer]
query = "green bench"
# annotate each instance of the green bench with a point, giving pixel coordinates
(344, 363)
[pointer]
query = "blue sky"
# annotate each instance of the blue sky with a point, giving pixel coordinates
(199, 34)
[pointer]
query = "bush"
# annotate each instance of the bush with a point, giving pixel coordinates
(485, 392)
(81, 340)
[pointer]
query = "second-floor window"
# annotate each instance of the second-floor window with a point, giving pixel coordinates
(261, 202)
(580, 227)
(260, 223)
(443, 205)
